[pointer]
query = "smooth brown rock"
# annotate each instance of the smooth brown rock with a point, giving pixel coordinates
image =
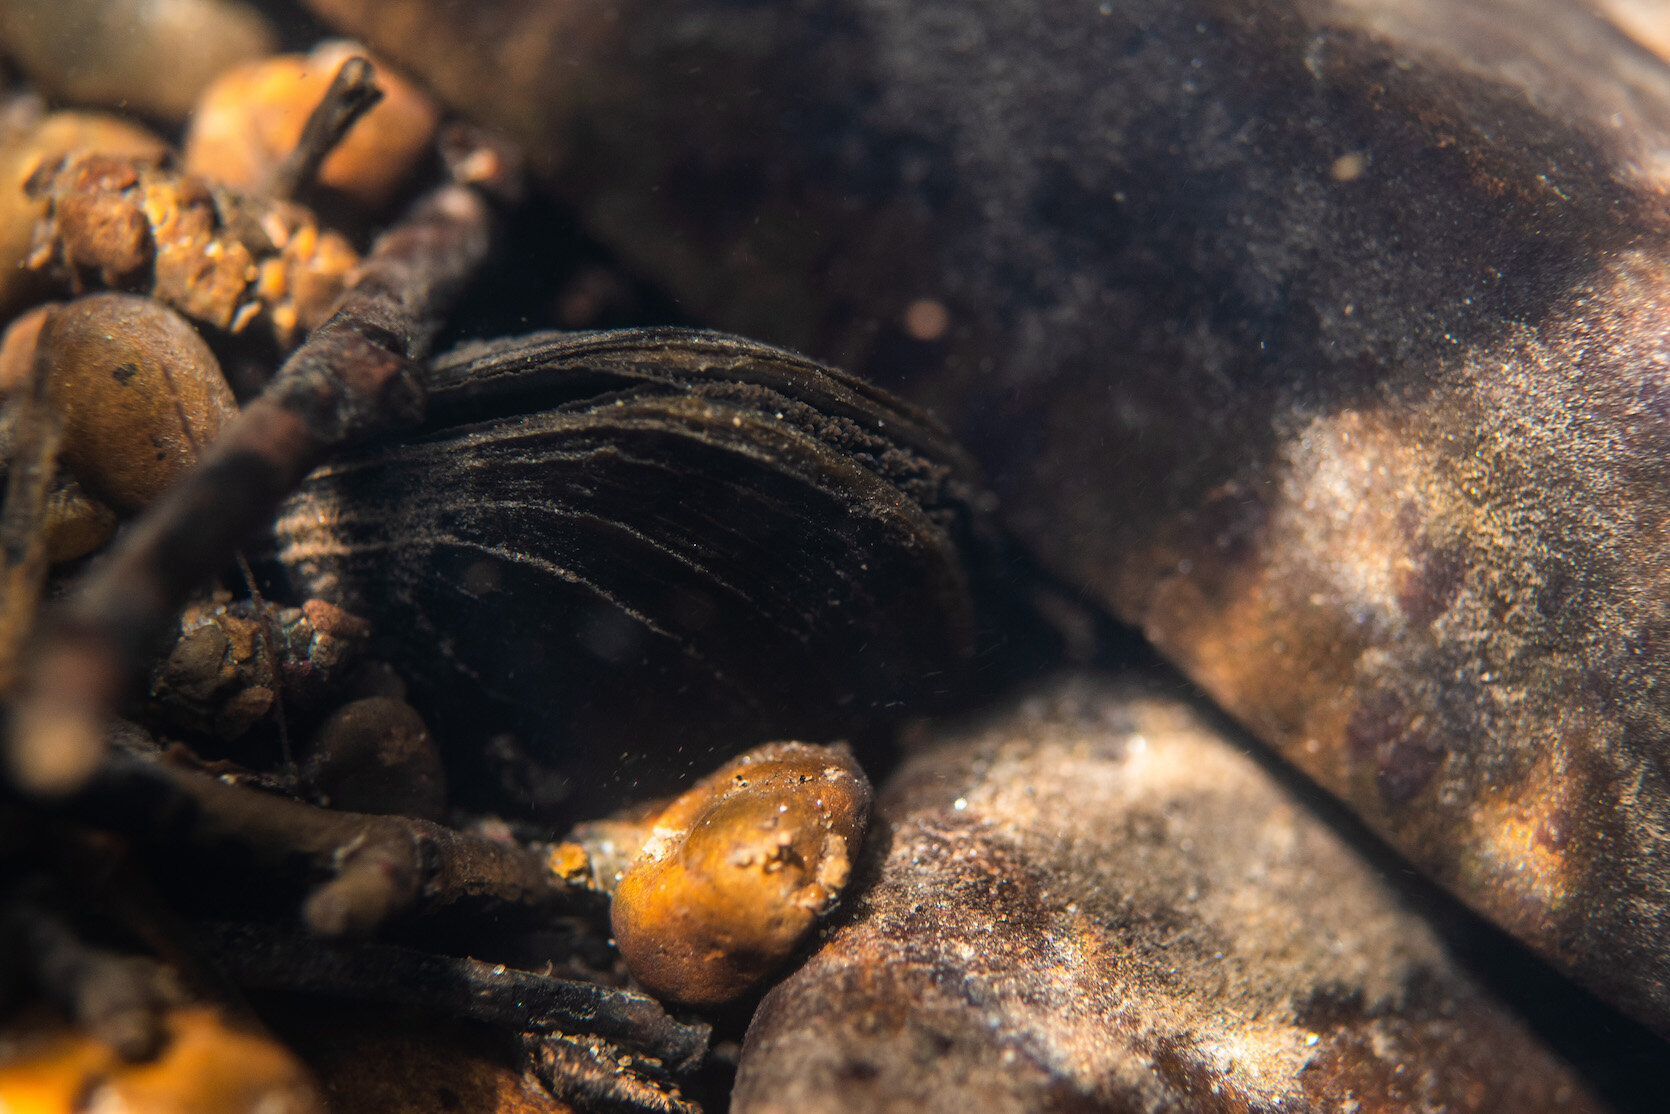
(376, 755)
(148, 56)
(1323, 340)
(1093, 901)
(140, 394)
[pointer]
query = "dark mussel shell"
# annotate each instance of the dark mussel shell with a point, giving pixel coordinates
(632, 545)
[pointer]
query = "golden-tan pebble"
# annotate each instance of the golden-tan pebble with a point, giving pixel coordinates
(251, 118)
(23, 153)
(153, 57)
(139, 393)
(737, 871)
(74, 523)
(209, 1064)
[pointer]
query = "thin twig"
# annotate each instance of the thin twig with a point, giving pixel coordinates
(354, 376)
(269, 643)
(353, 92)
(378, 865)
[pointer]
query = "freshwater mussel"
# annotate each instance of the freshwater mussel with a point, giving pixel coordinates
(624, 549)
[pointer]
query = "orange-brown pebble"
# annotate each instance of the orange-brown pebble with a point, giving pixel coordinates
(139, 393)
(23, 153)
(570, 863)
(737, 871)
(209, 1065)
(251, 118)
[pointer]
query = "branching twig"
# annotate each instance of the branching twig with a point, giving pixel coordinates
(353, 92)
(354, 376)
(381, 864)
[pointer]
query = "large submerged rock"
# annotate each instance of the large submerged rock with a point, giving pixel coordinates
(1324, 340)
(1093, 901)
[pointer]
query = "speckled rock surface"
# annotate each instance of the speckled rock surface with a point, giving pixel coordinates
(1322, 340)
(1093, 901)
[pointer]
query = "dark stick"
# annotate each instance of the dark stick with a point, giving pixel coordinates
(354, 376)
(353, 92)
(381, 864)
(592, 1078)
(264, 958)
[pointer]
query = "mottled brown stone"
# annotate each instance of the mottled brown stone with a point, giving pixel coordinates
(1322, 339)
(1094, 901)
